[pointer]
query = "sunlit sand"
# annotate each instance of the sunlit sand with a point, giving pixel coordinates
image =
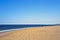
(38, 33)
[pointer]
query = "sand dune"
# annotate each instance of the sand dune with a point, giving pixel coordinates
(39, 33)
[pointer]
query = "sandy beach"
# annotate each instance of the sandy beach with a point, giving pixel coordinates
(38, 33)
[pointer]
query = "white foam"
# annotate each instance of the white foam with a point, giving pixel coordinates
(10, 30)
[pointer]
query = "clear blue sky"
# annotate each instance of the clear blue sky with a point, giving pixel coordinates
(29, 11)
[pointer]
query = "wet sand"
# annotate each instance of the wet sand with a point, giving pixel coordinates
(38, 33)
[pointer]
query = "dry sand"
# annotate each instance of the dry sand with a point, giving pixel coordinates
(39, 33)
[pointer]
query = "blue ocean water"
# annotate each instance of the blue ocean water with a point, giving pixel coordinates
(6, 27)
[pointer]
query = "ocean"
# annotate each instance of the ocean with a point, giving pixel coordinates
(6, 27)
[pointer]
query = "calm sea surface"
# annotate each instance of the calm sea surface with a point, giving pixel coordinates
(5, 27)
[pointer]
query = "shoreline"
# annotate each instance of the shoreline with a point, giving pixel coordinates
(8, 30)
(35, 33)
